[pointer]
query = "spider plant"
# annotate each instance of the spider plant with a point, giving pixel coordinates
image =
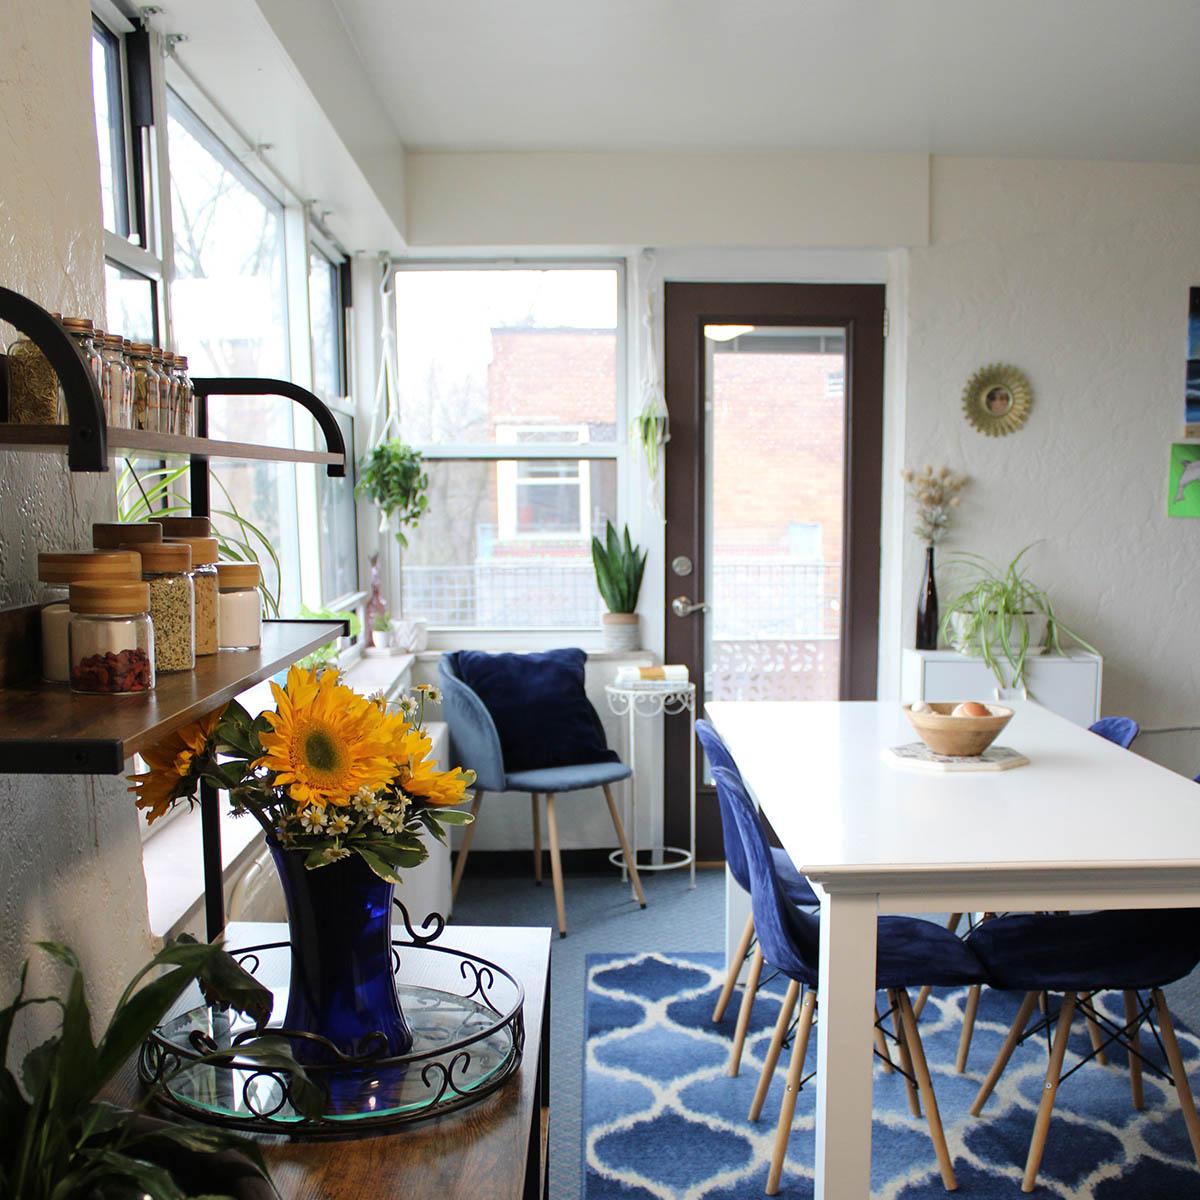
(995, 610)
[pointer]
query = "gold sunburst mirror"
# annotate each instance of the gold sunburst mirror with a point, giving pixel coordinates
(997, 399)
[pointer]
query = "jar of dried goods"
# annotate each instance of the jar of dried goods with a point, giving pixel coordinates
(184, 422)
(111, 535)
(57, 569)
(166, 387)
(33, 395)
(117, 382)
(167, 568)
(84, 335)
(111, 638)
(240, 606)
(204, 576)
(146, 382)
(173, 527)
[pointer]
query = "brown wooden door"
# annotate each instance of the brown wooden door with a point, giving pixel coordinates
(773, 493)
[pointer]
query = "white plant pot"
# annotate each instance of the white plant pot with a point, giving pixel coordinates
(960, 634)
(621, 632)
(381, 638)
(412, 636)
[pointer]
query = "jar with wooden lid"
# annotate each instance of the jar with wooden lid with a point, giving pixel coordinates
(185, 526)
(204, 577)
(57, 570)
(117, 381)
(170, 413)
(111, 639)
(162, 416)
(167, 568)
(240, 605)
(146, 381)
(33, 394)
(112, 535)
(83, 332)
(184, 422)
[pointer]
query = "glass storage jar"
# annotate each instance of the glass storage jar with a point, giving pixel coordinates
(167, 568)
(84, 335)
(184, 421)
(117, 388)
(146, 382)
(57, 569)
(240, 606)
(162, 417)
(33, 395)
(111, 637)
(204, 576)
(112, 535)
(179, 527)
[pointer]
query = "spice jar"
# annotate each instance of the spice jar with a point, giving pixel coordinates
(167, 568)
(204, 576)
(240, 606)
(166, 391)
(116, 382)
(84, 334)
(112, 535)
(33, 395)
(111, 638)
(187, 398)
(178, 527)
(146, 382)
(56, 570)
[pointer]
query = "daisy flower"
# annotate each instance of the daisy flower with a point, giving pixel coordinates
(314, 820)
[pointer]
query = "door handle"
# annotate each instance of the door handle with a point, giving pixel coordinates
(681, 606)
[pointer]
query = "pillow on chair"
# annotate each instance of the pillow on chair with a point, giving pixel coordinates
(539, 707)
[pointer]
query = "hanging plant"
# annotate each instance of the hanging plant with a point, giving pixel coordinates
(650, 429)
(392, 477)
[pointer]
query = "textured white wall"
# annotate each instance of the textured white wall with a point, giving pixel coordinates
(70, 857)
(1078, 273)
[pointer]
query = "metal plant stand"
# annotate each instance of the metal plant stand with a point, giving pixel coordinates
(656, 699)
(466, 1014)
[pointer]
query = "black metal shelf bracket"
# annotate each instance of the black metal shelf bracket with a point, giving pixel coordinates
(87, 444)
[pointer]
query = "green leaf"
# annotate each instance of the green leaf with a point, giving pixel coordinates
(37, 1071)
(452, 816)
(381, 868)
(275, 1053)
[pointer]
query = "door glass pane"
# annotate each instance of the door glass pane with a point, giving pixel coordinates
(775, 409)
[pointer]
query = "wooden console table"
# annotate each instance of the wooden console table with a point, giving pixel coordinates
(496, 1148)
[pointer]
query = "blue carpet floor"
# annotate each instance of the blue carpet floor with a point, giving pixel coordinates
(661, 1119)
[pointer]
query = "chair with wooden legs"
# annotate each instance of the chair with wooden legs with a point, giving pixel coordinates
(795, 887)
(911, 952)
(476, 743)
(1078, 956)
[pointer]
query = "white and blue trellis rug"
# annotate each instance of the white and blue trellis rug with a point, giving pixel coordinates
(662, 1120)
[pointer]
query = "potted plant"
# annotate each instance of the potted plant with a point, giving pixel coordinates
(382, 630)
(393, 478)
(1003, 617)
(619, 567)
(58, 1138)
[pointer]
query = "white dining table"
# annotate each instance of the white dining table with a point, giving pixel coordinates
(1084, 825)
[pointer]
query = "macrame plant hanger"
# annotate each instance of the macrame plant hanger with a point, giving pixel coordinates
(385, 423)
(652, 422)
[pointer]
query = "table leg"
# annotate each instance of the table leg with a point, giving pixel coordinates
(631, 826)
(844, 1046)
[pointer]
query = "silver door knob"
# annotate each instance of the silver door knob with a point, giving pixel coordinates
(681, 606)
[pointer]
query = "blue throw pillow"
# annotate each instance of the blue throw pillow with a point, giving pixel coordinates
(539, 707)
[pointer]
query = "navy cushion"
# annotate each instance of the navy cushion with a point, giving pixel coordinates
(913, 953)
(1089, 951)
(566, 779)
(541, 712)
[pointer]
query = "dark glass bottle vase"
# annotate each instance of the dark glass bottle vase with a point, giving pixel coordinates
(342, 986)
(927, 607)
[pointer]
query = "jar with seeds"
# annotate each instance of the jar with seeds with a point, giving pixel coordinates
(167, 567)
(204, 576)
(112, 535)
(33, 397)
(162, 418)
(117, 388)
(146, 382)
(184, 422)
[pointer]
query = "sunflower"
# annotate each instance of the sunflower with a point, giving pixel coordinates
(419, 775)
(327, 741)
(174, 769)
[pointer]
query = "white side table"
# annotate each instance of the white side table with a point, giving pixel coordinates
(656, 699)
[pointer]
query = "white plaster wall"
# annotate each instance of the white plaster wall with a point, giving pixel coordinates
(1078, 273)
(70, 858)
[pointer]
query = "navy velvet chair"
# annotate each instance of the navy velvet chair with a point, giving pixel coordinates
(476, 744)
(910, 952)
(1121, 731)
(795, 887)
(1080, 955)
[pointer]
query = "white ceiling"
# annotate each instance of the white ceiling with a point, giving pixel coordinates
(1113, 79)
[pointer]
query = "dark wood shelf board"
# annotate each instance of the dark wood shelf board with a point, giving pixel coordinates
(48, 438)
(46, 729)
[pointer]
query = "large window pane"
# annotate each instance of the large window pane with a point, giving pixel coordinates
(483, 350)
(131, 304)
(338, 523)
(110, 128)
(507, 544)
(325, 320)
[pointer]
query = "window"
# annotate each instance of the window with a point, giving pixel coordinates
(510, 383)
(132, 303)
(108, 98)
(337, 517)
(325, 307)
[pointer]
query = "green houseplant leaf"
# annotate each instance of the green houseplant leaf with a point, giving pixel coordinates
(393, 478)
(619, 566)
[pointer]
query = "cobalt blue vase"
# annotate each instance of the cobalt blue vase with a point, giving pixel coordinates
(342, 985)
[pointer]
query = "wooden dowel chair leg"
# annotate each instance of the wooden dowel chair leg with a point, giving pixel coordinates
(735, 969)
(1041, 1127)
(556, 874)
(1178, 1072)
(1006, 1052)
(787, 1108)
(465, 848)
(881, 1045)
(619, 826)
(1135, 1063)
(968, 1027)
(905, 1051)
(937, 1134)
(776, 1045)
(743, 1021)
(1097, 1037)
(537, 838)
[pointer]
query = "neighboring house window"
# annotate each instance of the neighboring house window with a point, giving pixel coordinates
(835, 383)
(511, 385)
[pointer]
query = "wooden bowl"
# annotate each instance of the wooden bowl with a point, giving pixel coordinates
(958, 737)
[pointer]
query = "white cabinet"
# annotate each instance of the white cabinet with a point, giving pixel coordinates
(1069, 686)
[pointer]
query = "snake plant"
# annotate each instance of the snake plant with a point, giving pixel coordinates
(619, 567)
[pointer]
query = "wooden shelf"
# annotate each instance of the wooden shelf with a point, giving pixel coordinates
(46, 729)
(43, 438)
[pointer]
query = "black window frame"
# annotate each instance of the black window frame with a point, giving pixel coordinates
(126, 218)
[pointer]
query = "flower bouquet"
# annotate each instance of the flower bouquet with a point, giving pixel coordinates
(346, 793)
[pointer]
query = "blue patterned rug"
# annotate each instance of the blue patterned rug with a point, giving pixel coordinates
(662, 1121)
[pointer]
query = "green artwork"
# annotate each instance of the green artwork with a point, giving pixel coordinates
(1183, 494)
